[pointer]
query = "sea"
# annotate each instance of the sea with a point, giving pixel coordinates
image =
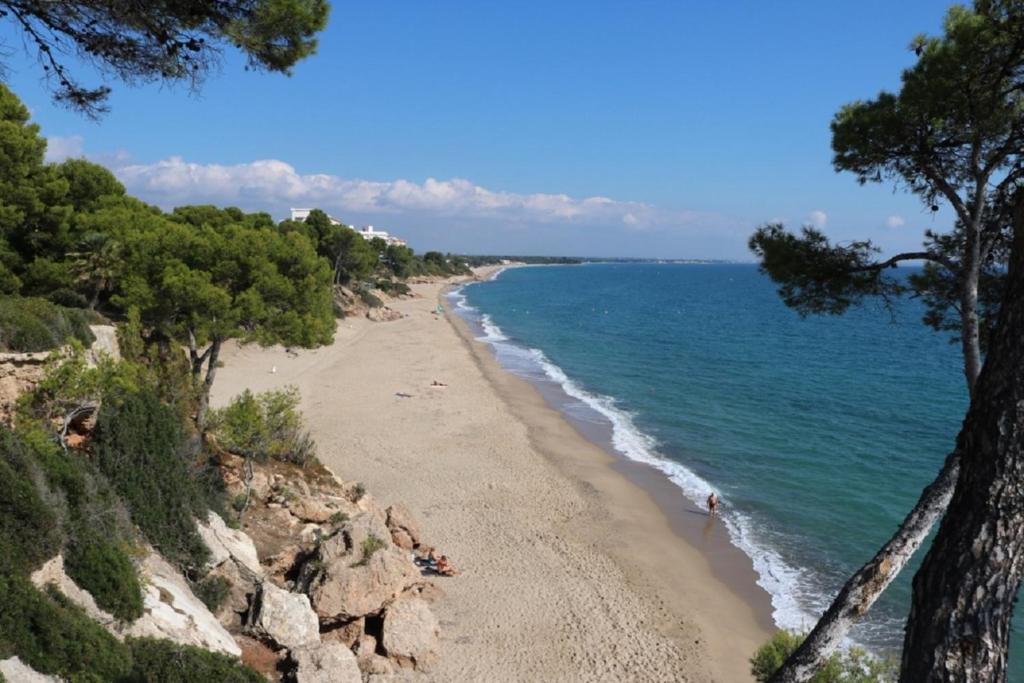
(818, 433)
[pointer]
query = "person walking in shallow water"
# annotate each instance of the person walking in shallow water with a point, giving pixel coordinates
(712, 504)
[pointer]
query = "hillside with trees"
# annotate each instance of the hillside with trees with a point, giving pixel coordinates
(108, 462)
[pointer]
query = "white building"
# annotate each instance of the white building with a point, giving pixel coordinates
(367, 232)
(302, 214)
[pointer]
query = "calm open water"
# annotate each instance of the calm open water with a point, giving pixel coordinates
(818, 433)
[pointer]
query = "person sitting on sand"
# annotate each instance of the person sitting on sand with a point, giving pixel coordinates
(712, 504)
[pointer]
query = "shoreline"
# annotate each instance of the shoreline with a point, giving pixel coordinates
(687, 520)
(571, 569)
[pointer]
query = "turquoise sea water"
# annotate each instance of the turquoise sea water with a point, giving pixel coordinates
(818, 433)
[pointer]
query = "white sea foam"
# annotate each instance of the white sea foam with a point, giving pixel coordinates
(782, 581)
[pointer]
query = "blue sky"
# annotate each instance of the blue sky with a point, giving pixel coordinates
(665, 129)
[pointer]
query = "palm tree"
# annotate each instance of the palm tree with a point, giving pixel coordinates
(95, 265)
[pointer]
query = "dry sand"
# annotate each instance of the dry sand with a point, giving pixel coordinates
(571, 571)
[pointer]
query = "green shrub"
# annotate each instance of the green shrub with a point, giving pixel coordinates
(262, 426)
(393, 288)
(28, 527)
(371, 544)
(105, 570)
(161, 661)
(32, 324)
(357, 492)
(67, 298)
(53, 636)
(368, 298)
(213, 590)
(141, 448)
(852, 666)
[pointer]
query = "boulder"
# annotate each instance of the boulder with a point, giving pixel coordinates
(345, 590)
(171, 611)
(411, 631)
(16, 671)
(405, 532)
(328, 662)
(310, 509)
(283, 617)
(369, 661)
(226, 543)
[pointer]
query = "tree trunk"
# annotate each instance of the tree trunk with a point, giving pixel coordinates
(970, 337)
(211, 373)
(862, 589)
(964, 593)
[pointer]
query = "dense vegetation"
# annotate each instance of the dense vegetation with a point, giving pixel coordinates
(142, 450)
(355, 260)
(34, 324)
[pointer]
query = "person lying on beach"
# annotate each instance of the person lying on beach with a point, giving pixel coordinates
(712, 504)
(437, 384)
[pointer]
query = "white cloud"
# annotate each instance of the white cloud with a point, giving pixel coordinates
(452, 214)
(60, 148)
(818, 219)
(895, 222)
(271, 182)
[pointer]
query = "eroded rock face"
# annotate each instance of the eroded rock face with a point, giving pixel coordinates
(19, 372)
(283, 617)
(171, 611)
(329, 662)
(226, 544)
(405, 532)
(345, 590)
(411, 632)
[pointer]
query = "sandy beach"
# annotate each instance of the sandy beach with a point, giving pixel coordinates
(575, 565)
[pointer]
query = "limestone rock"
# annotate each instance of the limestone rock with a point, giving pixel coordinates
(171, 611)
(369, 661)
(226, 543)
(329, 662)
(405, 532)
(349, 634)
(53, 572)
(345, 589)
(310, 509)
(16, 671)
(411, 631)
(241, 588)
(19, 372)
(283, 617)
(105, 344)
(383, 314)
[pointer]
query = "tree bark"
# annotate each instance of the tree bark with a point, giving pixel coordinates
(862, 589)
(964, 593)
(970, 337)
(211, 372)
